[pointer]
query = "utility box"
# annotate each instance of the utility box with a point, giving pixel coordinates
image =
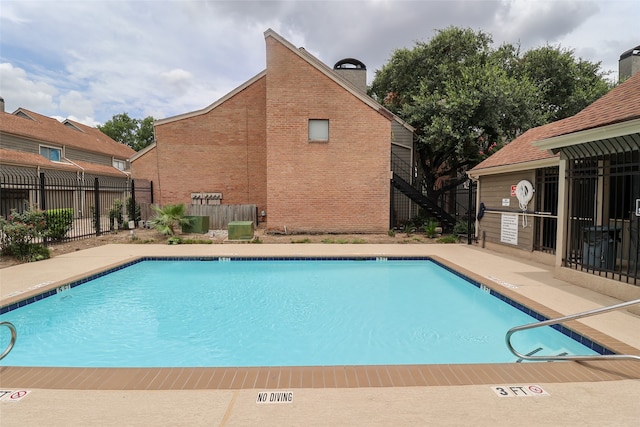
(240, 230)
(197, 225)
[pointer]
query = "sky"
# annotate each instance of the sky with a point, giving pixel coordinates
(88, 60)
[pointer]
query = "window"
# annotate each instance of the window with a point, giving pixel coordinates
(318, 130)
(53, 154)
(119, 164)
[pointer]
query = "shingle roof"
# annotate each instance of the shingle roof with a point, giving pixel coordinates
(520, 149)
(49, 130)
(619, 105)
(22, 158)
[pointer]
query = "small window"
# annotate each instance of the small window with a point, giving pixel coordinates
(53, 154)
(119, 164)
(318, 130)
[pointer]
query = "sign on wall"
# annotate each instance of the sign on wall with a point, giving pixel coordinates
(509, 229)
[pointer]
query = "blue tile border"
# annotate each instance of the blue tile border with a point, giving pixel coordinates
(560, 328)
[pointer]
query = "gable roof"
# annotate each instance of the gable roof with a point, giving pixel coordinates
(47, 130)
(615, 114)
(210, 107)
(520, 150)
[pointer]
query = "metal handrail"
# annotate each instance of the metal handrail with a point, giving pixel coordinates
(564, 319)
(14, 335)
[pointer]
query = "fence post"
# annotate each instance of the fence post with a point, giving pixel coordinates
(133, 204)
(469, 216)
(96, 192)
(151, 189)
(43, 196)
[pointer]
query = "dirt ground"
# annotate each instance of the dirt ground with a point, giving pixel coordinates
(149, 236)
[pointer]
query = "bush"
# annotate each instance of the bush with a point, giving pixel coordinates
(18, 232)
(448, 239)
(59, 222)
(115, 214)
(461, 227)
(133, 210)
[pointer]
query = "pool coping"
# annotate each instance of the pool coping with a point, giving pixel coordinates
(322, 376)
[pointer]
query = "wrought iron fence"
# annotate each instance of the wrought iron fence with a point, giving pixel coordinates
(90, 205)
(603, 226)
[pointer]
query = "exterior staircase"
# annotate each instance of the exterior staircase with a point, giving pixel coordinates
(430, 207)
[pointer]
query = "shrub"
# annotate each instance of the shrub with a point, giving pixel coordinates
(461, 227)
(18, 233)
(59, 222)
(430, 228)
(448, 239)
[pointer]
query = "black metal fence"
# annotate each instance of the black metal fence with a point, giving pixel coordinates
(92, 204)
(603, 221)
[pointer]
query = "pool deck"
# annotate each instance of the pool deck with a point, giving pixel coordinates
(588, 393)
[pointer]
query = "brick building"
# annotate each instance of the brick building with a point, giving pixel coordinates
(301, 141)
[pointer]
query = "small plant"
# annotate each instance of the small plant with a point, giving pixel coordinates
(462, 228)
(451, 238)
(174, 240)
(358, 241)
(391, 233)
(168, 218)
(430, 228)
(256, 240)
(409, 229)
(59, 222)
(115, 215)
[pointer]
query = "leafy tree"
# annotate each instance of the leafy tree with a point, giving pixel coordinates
(567, 85)
(463, 102)
(467, 99)
(135, 133)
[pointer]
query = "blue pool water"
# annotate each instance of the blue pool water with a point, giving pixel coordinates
(273, 313)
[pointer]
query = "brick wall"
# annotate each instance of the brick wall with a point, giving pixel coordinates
(338, 186)
(221, 151)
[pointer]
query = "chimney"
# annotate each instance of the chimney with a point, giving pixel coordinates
(629, 63)
(1, 104)
(354, 71)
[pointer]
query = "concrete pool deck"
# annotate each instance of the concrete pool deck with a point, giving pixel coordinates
(610, 400)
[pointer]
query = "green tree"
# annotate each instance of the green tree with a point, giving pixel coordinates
(566, 84)
(460, 97)
(136, 133)
(467, 99)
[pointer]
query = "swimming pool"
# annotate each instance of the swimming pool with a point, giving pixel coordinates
(273, 313)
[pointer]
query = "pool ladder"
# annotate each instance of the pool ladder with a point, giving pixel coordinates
(14, 335)
(564, 319)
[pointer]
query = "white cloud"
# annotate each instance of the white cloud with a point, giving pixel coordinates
(20, 90)
(76, 104)
(100, 58)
